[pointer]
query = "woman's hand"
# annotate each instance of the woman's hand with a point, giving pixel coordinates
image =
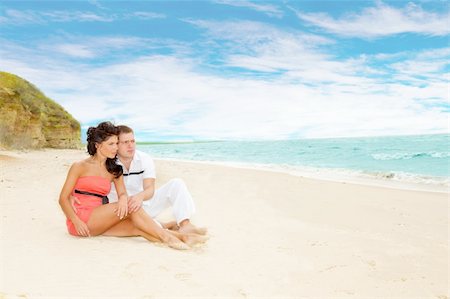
(81, 228)
(122, 205)
(122, 208)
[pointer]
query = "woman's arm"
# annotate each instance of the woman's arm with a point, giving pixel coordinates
(71, 179)
(122, 209)
(66, 191)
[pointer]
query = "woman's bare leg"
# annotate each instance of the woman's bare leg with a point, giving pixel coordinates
(145, 223)
(163, 234)
(126, 228)
(104, 217)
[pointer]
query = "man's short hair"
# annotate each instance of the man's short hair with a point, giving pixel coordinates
(125, 129)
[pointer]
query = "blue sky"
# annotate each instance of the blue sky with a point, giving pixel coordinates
(196, 70)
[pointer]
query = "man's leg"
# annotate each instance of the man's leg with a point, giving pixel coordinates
(175, 194)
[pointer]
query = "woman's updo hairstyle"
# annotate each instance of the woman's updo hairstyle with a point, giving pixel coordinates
(98, 134)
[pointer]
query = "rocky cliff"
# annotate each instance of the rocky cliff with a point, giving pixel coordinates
(28, 119)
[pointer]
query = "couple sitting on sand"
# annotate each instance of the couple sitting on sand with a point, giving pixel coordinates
(134, 202)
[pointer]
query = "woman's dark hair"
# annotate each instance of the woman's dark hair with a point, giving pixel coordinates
(98, 134)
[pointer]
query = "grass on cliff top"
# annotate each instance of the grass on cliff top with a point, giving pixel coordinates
(14, 87)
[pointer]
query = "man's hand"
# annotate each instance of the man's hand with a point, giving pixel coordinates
(134, 204)
(72, 200)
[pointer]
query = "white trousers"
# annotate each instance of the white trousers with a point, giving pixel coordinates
(172, 194)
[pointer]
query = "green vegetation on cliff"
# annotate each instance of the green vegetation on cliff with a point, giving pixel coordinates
(29, 119)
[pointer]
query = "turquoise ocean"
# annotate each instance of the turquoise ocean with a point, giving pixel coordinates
(422, 159)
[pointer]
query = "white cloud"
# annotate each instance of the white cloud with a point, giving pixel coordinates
(418, 69)
(253, 34)
(382, 20)
(166, 96)
(421, 68)
(259, 47)
(145, 15)
(75, 50)
(96, 4)
(297, 56)
(270, 10)
(19, 17)
(88, 17)
(86, 47)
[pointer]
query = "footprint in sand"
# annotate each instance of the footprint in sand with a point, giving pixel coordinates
(332, 267)
(131, 270)
(346, 292)
(372, 264)
(163, 268)
(281, 248)
(242, 293)
(183, 276)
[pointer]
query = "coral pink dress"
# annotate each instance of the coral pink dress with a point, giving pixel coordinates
(94, 188)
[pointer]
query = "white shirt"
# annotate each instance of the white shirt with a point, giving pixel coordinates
(141, 167)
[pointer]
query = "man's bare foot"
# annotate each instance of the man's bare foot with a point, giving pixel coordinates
(172, 225)
(194, 239)
(190, 228)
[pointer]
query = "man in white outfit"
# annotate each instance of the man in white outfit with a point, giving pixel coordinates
(139, 178)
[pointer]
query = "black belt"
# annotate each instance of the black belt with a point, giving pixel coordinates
(131, 173)
(105, 199)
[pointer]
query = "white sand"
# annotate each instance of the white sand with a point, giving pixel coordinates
(272, 235)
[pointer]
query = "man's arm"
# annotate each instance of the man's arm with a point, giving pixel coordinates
(135, 201)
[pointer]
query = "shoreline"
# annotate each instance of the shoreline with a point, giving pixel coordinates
(326, 175)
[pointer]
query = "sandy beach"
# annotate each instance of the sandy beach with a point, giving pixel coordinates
(272, 235)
